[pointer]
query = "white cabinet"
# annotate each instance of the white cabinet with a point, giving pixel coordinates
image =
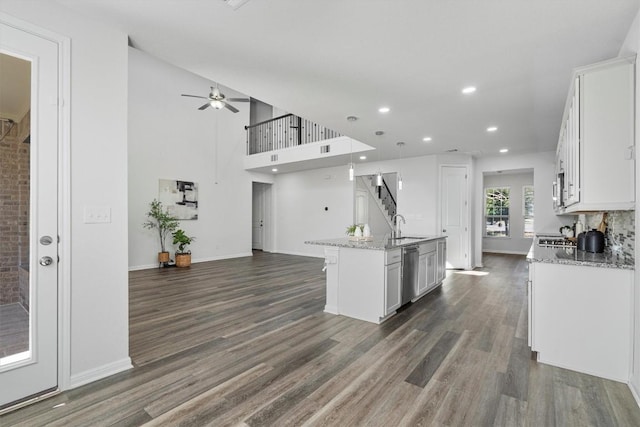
(580, 318)
(393, 287)
(427, 267)
(594, 158)
(431, 269)
(393, 281)
(442, 260)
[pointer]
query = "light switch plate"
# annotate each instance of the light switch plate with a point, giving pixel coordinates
(97, 214)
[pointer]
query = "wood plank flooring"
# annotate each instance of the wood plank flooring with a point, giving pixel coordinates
(244, 342)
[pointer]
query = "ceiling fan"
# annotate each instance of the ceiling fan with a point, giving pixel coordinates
(218, 101)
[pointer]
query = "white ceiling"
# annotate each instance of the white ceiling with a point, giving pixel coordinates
(326, 60)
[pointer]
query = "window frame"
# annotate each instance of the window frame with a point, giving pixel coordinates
(507, 234)
(525, 216)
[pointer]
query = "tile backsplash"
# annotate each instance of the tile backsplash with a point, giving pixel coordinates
(620, 234)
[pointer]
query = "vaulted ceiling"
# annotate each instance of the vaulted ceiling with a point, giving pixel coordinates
(326, 60)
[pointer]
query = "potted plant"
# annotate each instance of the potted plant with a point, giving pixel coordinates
(183, 256)
(164, 223)
(351, 230)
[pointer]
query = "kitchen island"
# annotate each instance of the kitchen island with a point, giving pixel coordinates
(580, 310)
(365, 277)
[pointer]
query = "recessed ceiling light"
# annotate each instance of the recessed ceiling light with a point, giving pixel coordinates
(384, 109)
(492, 129)
(274, 170)
(469, 89)
(426, 139)
(363, 157)
(504, 150)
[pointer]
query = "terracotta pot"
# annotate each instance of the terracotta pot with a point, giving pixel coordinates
(183, 260)
(163, 257)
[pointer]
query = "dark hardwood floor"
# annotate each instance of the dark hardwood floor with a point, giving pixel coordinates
(245, 342)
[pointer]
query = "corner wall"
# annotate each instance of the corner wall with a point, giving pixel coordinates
(95, 326)
(543, 176)
(631, 46)
(169, 138)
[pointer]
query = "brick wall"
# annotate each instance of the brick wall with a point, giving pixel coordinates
(14, 212)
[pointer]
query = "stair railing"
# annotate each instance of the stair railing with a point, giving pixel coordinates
(285, 131)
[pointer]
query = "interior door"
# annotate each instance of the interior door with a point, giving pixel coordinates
(257, 217)
(454, 214)
(31, 368)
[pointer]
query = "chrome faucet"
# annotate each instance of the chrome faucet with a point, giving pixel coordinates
(397, 233)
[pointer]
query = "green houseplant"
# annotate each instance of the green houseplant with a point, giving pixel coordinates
(183, 256)
(161, 221)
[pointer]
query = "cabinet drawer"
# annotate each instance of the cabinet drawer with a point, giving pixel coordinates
(392, 256)
(427, 247)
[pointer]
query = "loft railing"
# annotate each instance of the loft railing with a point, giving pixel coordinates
(284, 132)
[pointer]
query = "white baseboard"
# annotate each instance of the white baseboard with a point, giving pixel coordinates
(194, 261)
(300, 254)
(496, 251)
(100, 372)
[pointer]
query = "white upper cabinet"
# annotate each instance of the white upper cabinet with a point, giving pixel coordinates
(595, 159)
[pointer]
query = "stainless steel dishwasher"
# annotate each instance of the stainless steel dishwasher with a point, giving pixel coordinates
(410, 256)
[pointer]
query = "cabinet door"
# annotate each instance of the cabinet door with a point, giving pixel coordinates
(393, 287)
(442, 261)
(431, 269)
(422, 274)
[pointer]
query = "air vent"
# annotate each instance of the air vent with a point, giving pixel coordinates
(274, 157)
(325, 149)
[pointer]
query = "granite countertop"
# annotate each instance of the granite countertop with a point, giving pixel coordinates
(572, 256)
(380, 243)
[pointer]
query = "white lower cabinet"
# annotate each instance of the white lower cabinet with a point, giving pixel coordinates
(427, 267)
(393, 287)
(442, 260)
(580, 318)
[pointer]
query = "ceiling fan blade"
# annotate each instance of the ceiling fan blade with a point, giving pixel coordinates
(238, 99)
(230, 107)
(195, 96)
(205, 106)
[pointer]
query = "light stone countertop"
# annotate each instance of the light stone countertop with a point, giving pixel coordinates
(572, 256)
(379, 243)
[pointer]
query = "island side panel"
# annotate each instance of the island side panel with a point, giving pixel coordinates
(361, 284)
(582, 318)
(331, 257)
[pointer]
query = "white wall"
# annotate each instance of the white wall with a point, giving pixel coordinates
(631, 46)
(170, 138)
(95, 342)
(516, 243)
(302, 196)
(543, 176)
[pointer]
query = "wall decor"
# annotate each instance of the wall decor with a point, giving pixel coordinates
(179, 197)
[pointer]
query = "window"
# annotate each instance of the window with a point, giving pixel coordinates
(527, 209)
(496, 203)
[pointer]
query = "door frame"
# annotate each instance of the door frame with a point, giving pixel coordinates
(468, 169)
(64, 191)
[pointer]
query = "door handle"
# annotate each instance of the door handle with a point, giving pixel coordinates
(46, 260)
(444, 230)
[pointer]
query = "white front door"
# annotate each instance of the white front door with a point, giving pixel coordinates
(257, 217)
(454, 214)
(29, 220)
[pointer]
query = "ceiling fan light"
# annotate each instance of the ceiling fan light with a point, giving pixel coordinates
(217, 104)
